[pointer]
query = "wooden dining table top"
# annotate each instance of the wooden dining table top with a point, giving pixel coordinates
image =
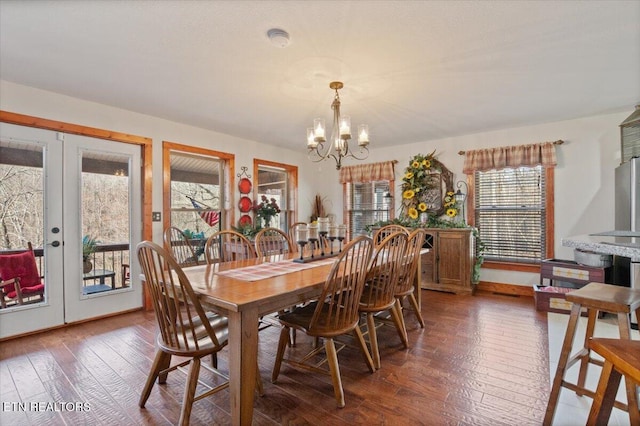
(233, 294)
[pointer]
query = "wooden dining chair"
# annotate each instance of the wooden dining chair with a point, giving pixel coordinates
(227, 246)
(20, 281)
(334, 313)
(406, 282)
(270, 241)
(380, 285)
(181, 249)
(186, 330)
(383, 232)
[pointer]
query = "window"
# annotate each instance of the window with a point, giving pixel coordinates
(511, 212)
(280, 182)
(366, 204)
(195, 189)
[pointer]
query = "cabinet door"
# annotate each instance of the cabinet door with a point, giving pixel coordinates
(428, 264)
(452, 263)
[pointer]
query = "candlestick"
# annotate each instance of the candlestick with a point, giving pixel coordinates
(301, 233)
(313, 231)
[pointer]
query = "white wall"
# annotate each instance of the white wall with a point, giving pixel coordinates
(29, 101)
(583, 179)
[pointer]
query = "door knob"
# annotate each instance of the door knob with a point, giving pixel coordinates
(55, 243)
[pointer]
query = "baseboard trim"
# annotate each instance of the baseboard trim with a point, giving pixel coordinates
(501, 288)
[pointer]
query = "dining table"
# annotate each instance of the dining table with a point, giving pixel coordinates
(244, 291)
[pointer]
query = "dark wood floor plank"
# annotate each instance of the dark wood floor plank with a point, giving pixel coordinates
(480, 360)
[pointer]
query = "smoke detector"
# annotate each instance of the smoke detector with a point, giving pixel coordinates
(278, 37)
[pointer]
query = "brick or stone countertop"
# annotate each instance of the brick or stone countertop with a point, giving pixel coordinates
(618, 243)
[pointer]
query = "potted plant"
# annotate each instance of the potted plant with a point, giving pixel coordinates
(265, 210)
(89, 246)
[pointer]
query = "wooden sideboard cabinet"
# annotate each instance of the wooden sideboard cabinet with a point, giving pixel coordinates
(448, 265)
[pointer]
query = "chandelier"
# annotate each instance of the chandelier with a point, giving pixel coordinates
(338, 146)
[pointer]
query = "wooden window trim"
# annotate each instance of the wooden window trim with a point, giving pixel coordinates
(292, 171)
(144, 142)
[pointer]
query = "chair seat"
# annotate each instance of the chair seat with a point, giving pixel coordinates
(220, 326)
(300, 318)
(26, 291)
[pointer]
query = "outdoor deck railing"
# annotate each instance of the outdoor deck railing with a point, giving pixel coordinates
(110, 257)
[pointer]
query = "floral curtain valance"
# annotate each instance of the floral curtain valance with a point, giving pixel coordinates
(364, 173)
(510, 157)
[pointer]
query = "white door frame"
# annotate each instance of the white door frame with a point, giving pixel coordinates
(50, 313)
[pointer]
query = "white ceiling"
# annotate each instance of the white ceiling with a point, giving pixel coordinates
(413, 70)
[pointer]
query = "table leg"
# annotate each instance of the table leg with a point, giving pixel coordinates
(243, 355)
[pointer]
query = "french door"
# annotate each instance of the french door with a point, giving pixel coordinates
(70, 187)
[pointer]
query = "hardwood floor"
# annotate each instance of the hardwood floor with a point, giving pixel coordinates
(481, 360)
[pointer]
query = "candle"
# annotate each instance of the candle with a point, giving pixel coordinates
(318, 129)
(313, 231)
(342, 231)
(323, 224)
(301, 233)
(333, 231)
(345, 127)
(363, 135)
(311, 141)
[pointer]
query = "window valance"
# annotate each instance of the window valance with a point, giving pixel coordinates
(370, 172)
(510, 157)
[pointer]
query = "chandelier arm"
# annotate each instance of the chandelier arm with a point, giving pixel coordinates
(364, 151)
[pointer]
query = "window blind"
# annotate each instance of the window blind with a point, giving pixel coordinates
(365, 205)
(510, 213)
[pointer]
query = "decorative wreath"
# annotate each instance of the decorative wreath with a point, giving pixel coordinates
(422, 188)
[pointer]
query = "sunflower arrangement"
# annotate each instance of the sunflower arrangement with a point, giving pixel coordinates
(451, 205)
(415, 182)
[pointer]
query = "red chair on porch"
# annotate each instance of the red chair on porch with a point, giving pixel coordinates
(20, 281)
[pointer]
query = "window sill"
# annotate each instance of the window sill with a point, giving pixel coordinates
(511, 266)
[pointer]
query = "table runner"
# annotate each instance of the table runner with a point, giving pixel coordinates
(271, 269)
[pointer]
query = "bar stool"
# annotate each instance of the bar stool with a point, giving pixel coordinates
(594, 297)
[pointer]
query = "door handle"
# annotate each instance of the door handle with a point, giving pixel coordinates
(54, 243)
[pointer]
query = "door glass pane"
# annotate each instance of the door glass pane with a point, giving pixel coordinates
(21, 216)
(106, 208)
(197, 183)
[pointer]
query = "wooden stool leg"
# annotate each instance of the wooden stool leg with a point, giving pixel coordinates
(586, 352)
(562, 364)
(632, 395)
(605, 396)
